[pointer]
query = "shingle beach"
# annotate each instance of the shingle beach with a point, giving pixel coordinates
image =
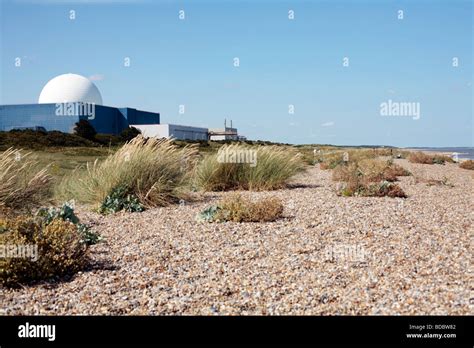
(330, 255)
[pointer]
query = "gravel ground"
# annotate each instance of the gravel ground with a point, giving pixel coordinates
(330, 255)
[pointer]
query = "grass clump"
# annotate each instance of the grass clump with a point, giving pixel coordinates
(239, 209)
(423, 158)
(333, 159)
(55, 249)
(469, 164)
(243, 167)
(153, 170)
(22, 184)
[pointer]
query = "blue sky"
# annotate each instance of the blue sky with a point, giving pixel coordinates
(283, 62)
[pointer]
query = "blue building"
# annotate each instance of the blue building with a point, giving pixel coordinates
(63, 117)
(65, 100)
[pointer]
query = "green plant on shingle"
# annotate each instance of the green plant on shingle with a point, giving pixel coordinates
(88, 236)
(120, 199)
(209, 214)
(66, 213)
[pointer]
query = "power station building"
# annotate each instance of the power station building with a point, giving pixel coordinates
(68, 98)
(65, 100)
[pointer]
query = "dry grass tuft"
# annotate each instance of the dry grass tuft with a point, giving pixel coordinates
(22, 184)
(239, 209)
(423, 158)
(467, 165)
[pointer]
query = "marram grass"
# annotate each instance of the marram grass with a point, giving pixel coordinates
(22, 183)
(240, 167)
(154, 170)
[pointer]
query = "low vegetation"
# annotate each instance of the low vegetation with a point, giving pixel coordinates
(22, 184)
(242, 167)
(84, 136)
(423, 158)
(370, 178)
(153, 170)
(66, 213)
(47, 246)
(120, 199)
(236, 208)
(445, 181)
(37, 140)
(469, 164)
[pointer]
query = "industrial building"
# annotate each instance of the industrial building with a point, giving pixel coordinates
(173, 131)
(68, 98)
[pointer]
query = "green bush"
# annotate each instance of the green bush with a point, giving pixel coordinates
(129, 133)
(85, 130)
(120, 199)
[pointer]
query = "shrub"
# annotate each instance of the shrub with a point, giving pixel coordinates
(395, 170)
(370, 178)
(434, 182)
(384, 188)
(129, 133)
(423, 158)
(85, 130)
(22, 184)
(66, 213)
(120, 199)
(469, 164)
(59, 250)
(239, 209)
(369, 170)
(153, 170)
(108, 139)
(273, 169)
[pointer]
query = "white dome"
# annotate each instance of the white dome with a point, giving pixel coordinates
(69, 88)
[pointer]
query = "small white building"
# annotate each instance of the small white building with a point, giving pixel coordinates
(227, 133)
(173, 131)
